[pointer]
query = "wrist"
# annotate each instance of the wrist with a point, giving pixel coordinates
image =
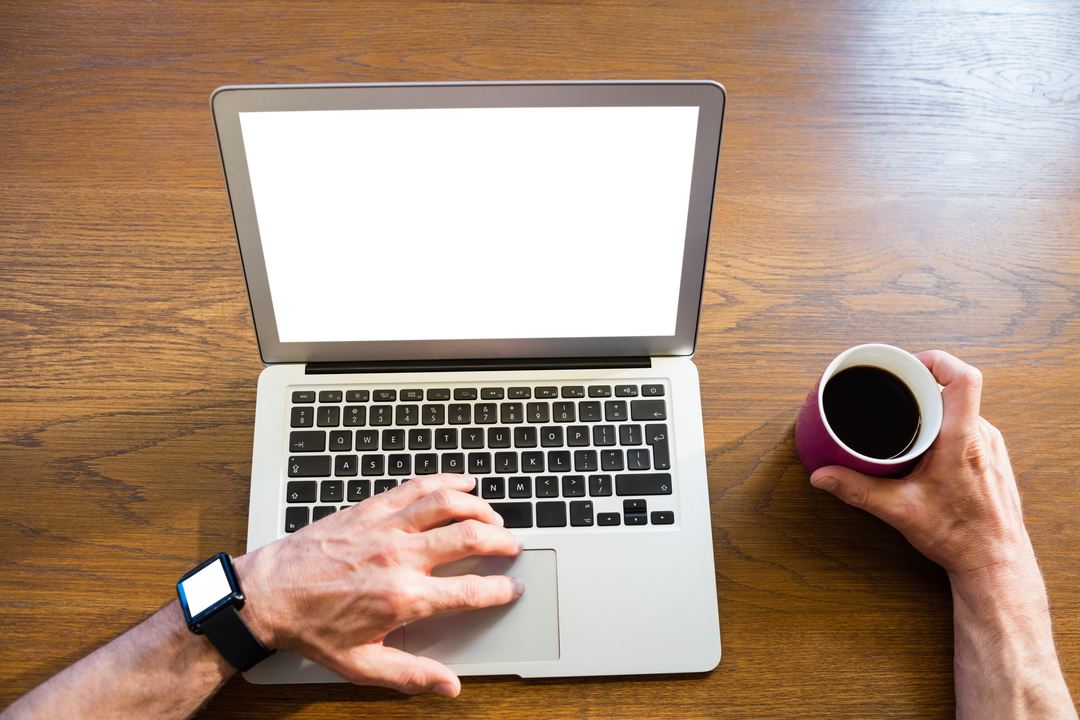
(258, 610)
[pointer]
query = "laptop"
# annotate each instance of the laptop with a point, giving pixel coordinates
(502, 279)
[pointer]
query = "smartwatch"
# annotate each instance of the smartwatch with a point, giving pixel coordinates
(211, 597)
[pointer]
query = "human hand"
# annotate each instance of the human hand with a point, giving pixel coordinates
(960, 506)
(333, 590)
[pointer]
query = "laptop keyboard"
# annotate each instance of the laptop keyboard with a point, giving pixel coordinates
(570, 456)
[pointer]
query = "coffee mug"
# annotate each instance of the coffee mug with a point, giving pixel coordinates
(875, 409)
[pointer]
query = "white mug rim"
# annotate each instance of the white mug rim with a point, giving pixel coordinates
(912, 372)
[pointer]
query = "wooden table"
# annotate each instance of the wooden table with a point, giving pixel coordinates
(891, 172)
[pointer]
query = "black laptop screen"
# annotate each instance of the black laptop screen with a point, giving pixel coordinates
(391, 225)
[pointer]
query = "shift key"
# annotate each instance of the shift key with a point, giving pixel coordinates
(640, 484)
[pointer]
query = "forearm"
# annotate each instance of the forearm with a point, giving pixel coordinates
(1005, 662)
(159, 669)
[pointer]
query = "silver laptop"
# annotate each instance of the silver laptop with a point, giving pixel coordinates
(502, 279)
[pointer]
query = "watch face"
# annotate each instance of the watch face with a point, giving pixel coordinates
(207, 587)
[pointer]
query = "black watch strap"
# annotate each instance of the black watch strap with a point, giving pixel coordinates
(234, 639)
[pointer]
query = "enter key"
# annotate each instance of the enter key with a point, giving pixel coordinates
(657, 437)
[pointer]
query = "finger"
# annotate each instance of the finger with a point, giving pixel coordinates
(410, 491)
(377, 664)
(877, 496)
(443, 505)
(469, 592)
(961, 392)
(453, 542)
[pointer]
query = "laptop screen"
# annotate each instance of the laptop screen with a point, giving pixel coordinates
(387, 228)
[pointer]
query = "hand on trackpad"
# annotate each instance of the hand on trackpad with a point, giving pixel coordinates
(526, 629)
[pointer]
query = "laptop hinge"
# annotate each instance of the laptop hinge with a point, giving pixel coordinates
(330, 368)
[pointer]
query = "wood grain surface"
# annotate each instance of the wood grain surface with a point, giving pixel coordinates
(898, 172)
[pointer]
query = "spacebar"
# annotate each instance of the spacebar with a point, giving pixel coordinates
(643, 484)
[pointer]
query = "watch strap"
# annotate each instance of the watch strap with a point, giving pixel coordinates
(234, 640)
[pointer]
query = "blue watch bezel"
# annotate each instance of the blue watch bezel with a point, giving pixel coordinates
(235, 598)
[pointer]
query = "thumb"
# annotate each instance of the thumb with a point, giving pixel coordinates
(376, 664)
(857, 489)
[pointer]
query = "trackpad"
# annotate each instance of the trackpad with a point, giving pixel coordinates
(526, 629)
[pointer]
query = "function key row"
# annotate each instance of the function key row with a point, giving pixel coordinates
(481, 413)
(301, 397)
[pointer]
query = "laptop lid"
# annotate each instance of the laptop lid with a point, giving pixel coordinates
(472, 221)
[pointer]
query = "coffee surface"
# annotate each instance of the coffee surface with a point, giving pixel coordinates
(872, 411)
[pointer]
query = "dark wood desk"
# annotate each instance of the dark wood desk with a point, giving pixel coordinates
(907, 175)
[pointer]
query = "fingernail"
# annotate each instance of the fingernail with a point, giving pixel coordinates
(519, 586)
(827, 483)
(446, 689)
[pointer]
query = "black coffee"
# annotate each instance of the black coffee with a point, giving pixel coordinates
(872, 411)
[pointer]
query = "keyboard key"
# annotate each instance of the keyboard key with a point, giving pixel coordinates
(355, 415)
(611, 460)
(637, 459)
(493, 488)
(340, 440)
(498, 437)
(419, 439)
(511, 413)
(453, 463)
(322, 511)
(608, 519)
(626, 391)
(563, 412)
(407, 414)
(358, 490)
(382, 415)
(538, 412)
(519, 393)
(330, 396)
(491, 393)
(577, 435)
(295, 518)
(603, 435)
(506, 463)
(551, 436)
(461, 414)
(472, 438)
(357, 395)
(657, 437)
(385, 396)
(558, 461)
(648, 410)
(485, 413)
(303, 396)
(303, 417)
(652, 390)
(399, 464)
(331, 491)
(309, 466)
(372, 465)
(643, 484)
(520, 487)
(480, 463)
(636, 518)
(599, 391)
(629, 434)
(573, 391)
(346, 465)
(547, 392)
(525, 437)
(515, 515)
(532, 462)
(600, 485)
(585, 461)
(412, 395)
(301, 491)
(581, 513)
(433, 414)
(328, 416)
(551, 514)
(367, 439)
(615, 410)
(307, 441)
(662, 517)
(382, 486)
(465, 394)
(446, 439)
(438, 394)
(547, 486)
(393, 439)
(573, 486)
(589, 411)
(427, 464)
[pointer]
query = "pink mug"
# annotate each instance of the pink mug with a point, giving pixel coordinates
(818, 445)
